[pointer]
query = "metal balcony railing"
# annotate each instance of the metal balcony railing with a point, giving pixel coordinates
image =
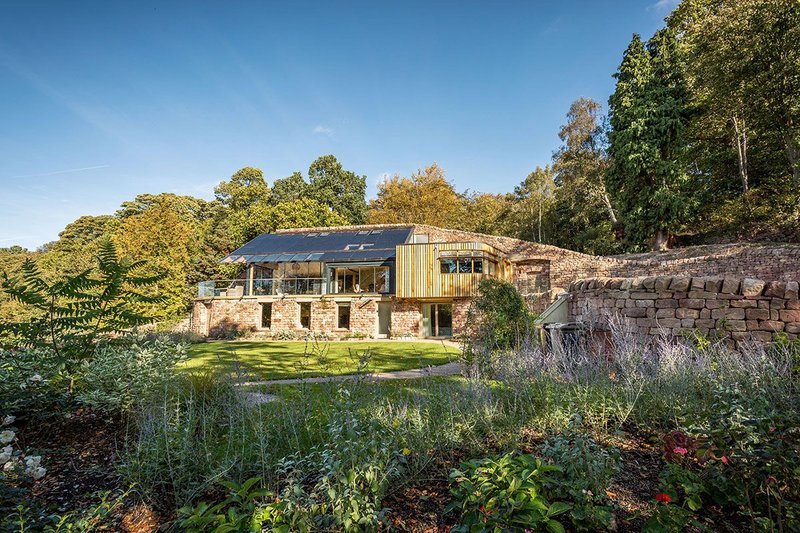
(236, 288)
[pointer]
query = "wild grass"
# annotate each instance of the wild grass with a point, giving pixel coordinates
(205, 429)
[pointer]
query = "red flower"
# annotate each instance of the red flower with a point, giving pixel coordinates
(663, 497)
(724, 459)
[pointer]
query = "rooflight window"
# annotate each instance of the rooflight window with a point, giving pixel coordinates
(312, 234)
(363, 232)
(376, 232)
(324, 234)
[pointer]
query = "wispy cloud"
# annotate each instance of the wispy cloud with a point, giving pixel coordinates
(66, 171)
(319, 129)
(664, 5)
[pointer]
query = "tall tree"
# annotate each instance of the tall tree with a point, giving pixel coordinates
(531, 201)
(487, 213)
(339, 189)
(304, 213)
(648, 114)
(743, 67)
(245, 199)
(290, 188)
(581, 216)
(160, 236)
(424, 198)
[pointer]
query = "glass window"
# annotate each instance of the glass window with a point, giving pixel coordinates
(465, 265)
(447, 266)
(382, 279)
(305, 315)
(344, 316)
(477, 266)
(266, 315)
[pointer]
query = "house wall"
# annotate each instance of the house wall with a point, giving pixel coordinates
(406, 318)
(738, 310)
(540, 272)
(210, 317)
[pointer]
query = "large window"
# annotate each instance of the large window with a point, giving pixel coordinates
(437, 320)
(343, 314)
(266, 315)
(358, 279)
(461, 265)
(305, 315)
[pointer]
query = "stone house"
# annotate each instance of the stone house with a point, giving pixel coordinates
(413, 280)
(375, 281)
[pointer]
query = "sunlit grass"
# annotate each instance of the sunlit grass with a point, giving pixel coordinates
(292, 359)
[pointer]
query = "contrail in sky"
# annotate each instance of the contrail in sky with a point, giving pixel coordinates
(69, 170)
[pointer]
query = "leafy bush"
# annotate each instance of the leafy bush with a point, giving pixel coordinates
(97, 517)
(505, 494)
(498, 316)
(586, 470)
(121, 375)
(286, 335)
(241, 511)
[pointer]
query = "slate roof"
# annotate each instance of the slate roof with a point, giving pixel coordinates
(328, 245)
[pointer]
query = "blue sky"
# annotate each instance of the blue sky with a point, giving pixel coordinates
(103, 101)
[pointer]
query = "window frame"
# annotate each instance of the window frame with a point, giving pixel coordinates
(308, 327)
(265, 306)
(339, 307)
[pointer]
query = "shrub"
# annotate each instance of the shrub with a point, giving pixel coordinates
(504, 494)
(33, 383)
(498, 316)
(586, 470)
(121, 375)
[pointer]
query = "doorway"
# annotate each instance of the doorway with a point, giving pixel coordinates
(437, 320)
(384, 318)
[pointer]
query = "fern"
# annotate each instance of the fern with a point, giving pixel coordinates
(72, 313)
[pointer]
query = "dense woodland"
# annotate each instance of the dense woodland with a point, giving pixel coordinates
(699, 143)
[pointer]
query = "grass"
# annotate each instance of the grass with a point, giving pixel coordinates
(292, 359)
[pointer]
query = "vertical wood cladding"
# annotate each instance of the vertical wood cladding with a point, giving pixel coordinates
(419, 274)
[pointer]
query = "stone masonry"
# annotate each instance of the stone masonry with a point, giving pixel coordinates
(741, 310)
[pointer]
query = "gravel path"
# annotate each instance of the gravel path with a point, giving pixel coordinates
(255, 398)
(449, 369)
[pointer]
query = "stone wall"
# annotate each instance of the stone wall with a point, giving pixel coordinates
(541, 271)
(406, 318)
(741, 310)
(244, 314)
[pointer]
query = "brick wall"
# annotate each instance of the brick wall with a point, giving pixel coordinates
(364, 316)
(245, 314)
(740, 310)
(406, 318)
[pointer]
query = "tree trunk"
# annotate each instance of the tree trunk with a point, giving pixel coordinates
(661, 240)
(610, 208)
(741, 148)
(540, 221)
(793, 154)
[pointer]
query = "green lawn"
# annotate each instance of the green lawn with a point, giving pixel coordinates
(288, 359)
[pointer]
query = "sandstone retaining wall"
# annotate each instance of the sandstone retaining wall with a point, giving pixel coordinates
(742, 310)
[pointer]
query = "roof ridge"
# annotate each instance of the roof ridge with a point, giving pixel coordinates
(354, 227)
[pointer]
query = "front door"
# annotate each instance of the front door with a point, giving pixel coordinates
(437, 320)
(384, 318)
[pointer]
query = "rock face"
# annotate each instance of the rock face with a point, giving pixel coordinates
(739, 310)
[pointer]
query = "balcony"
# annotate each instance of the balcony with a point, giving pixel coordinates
(238, 288)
